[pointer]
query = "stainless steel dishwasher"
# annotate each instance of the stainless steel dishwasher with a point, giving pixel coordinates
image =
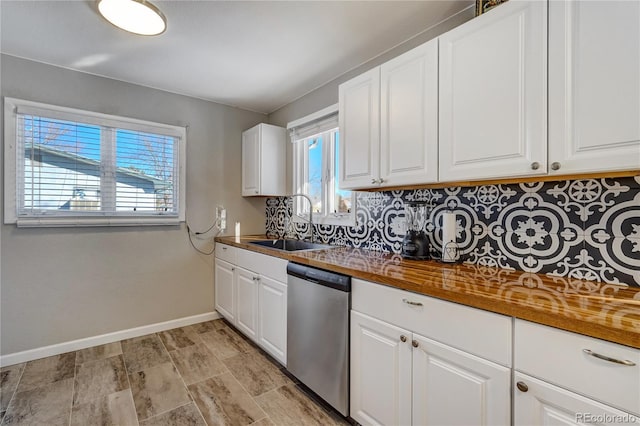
(318, 304)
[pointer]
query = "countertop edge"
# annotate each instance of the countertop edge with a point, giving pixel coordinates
(513, 308)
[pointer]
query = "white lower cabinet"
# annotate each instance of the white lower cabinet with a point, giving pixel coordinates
(563, 378)
(247, 312)
(272, 317)
(540, 403)
(452, 387)
(251, 293)
(380, 372)
(225, 289)
(400, 377)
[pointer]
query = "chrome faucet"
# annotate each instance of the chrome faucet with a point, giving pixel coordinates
(310, 221)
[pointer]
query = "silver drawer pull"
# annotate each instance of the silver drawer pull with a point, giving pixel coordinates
(606, 358)
(409, 302)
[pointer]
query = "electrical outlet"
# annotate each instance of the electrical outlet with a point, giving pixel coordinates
(221, 218)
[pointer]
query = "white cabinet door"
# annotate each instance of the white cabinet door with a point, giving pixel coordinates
(493, 102)
(272, 318)
(224, 289)
(251, 162)
(594, 86)
(452, 387)
(359, 117)
(380, 372)
(409, 117)
(247, 306)
(540, 403)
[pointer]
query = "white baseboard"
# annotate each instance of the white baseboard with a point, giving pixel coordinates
(74, 345)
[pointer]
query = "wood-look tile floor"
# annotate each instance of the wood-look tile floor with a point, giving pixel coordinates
(204, 374)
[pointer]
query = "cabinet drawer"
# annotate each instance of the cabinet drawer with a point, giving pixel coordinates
(478, 332)
(268, 266)
(558, 357)
(226, 252)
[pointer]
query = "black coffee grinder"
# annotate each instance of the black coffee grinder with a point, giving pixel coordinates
(415, 245)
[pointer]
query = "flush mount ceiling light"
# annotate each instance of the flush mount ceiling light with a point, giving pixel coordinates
(135, 16)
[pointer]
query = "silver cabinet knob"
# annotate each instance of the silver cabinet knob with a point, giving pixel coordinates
(535, 165)
(381, 181)
(555, 166)
(373, 181)
(415, 343)
(522, 386)
(403, 338)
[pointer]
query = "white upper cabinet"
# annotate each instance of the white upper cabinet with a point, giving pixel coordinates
(359, 120)
(493, 102)
(594, 86)
(409, 117)
(263, 161)
(389, 122)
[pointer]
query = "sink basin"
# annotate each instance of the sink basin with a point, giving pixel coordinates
(290, 245)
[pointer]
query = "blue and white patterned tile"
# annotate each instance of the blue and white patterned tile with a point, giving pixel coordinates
(488, 253)
(612, 236)
(620, 219)
(489, 200)
(515, 247)
(589, 199)
(619, 258)
(583, 229)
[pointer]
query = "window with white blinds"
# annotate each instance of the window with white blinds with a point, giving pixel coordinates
(316, 141)
(69, 167)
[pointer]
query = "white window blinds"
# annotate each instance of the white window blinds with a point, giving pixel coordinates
(72, 164)
(314, 124)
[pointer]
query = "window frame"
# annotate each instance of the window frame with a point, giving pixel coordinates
(300, 174)
(55, 218)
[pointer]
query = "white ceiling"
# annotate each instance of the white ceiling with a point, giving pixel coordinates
(257, 55)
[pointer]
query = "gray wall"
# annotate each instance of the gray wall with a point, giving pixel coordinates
(68, 283)
(328, 94)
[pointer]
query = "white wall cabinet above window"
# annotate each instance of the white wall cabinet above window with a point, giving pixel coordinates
(389, 122)
(493, 101)
(263, 161)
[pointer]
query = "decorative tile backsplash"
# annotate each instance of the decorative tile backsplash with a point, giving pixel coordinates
(584, 229)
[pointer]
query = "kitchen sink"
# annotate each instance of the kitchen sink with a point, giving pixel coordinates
(290, 245)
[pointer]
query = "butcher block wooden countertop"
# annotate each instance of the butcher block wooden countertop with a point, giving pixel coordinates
(606, 311)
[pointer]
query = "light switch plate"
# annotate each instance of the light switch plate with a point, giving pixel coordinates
(221, 218)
